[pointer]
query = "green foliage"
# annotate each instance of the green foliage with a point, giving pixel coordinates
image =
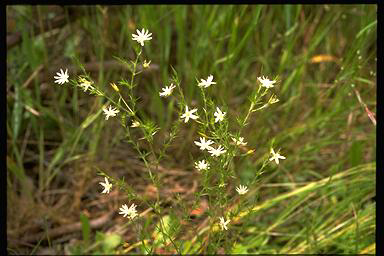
(108, 242)
(86, 228)
(316, 201)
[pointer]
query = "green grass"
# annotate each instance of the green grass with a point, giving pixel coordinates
(318, 201)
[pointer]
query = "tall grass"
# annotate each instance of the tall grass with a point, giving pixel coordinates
(319, 201)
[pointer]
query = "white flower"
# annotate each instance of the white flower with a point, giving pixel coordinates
(201, 165)
(130, 212)
(276, 156)
(204, 144)
(142, 36)
(85, 84)
(219, 116)
(135, 124)
(167, 90)
(206, 83)
(242, 189)
(217, 151)
(62, 77)
(110, 112)
(189, 114)
(107, 186)
(239, 141)
(223, 224)
(265, 82)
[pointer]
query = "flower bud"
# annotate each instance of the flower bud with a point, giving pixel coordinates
(114, 86)
(146, 64)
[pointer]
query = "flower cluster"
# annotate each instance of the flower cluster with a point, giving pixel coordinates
(211, 146)
(62, 77)
(205, 145)
(130, 212)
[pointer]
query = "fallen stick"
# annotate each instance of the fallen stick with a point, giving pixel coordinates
(95, 223)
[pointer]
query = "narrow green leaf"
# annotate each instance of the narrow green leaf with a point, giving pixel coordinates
(86, 228)
(366, 28)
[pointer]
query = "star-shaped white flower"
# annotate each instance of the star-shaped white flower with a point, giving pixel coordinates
(62, 77)
(223, 223)
(276, 156)
(142, 36)
(130, 212)
(241, 189)
(110, 112)
(167, 90)
(107, 186)
(203, 144)
(217, 151)
(265, 82)
(201, 165)
(219, 116)
(239, 141)
(189, 114)
(206, 83)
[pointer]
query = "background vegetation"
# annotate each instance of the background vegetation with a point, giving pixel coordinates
(319, 201)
